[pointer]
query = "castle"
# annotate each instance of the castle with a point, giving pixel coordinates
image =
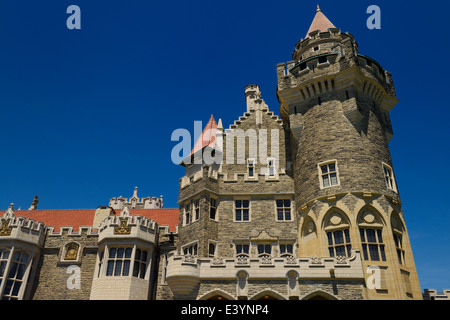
(301, 206)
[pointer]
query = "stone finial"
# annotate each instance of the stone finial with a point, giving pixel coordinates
(34, 203)
(318, 8)
(135, 192)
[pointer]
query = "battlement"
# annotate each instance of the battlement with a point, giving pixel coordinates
(126, 225)
(118, 203)
(21, 228)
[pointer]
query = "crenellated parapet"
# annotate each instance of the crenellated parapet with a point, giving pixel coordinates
(18, 228)
(118, 203)
(126, 226)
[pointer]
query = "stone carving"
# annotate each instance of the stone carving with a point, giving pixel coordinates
(242, 260)
(123, 228)
(341, 260)
(316, 260)
(189, 258)
(71, 252)
(4, 229)
(217, 260)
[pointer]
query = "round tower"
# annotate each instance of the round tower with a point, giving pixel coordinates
(336, 103)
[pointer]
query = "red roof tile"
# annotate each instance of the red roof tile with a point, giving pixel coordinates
(77, 218)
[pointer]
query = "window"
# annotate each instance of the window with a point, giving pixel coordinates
(283, 210)
(302, 66)
(328, 174)
(399, 246)
(316, 48)
(140, 263)
(119, 260)
(186, 214)
(212, 249)
(212, 209)
(251, 168)
(191, 249)
(14, 277)
(319, 101)
(242, 211)
(242, 249)
(339, 243)
(286, 249)
(264, 249)
(372, 244)
(196, 209)
(389, 177)
(323, 59)
(271, 167)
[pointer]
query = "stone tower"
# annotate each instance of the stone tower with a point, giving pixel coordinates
(336, 103)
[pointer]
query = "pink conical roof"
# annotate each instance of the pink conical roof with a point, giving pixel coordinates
(320, 22)
(207, 138)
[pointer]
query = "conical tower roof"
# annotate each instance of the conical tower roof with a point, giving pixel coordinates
(320, 22)
(207, 138)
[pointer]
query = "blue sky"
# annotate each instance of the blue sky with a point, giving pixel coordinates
(87, 114)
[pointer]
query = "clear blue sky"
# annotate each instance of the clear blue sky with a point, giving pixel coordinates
(87, 114)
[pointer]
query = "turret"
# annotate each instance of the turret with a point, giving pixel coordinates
(336, 103)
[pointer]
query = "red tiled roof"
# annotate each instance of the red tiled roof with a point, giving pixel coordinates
(161, 216)
(77, 218)
(320, 22)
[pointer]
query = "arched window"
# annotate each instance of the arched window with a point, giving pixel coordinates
(371, 235)
(338, 234)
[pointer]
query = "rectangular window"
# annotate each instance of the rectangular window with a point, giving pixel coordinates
(302, 66)
(271, 167)
(196, 210)
(242, 210)
(187, 214)
(286, 249)
(283, 209)
(242, 249)
(264, 249)
(119, 260)
(140, 263)
(251, 168)
(372, 244)
(339, 243)
(212, 208)
(328, 175)
(14, 277)
(389, 177)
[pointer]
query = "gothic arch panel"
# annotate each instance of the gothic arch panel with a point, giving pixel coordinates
(268, 295)
(319, 295)
(217, 295)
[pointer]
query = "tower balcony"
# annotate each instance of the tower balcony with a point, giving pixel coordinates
(186, 272)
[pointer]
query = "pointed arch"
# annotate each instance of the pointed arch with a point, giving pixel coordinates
(319, 295)
(362, 216)
(335, 217)
(217, 295)
(268, 295)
